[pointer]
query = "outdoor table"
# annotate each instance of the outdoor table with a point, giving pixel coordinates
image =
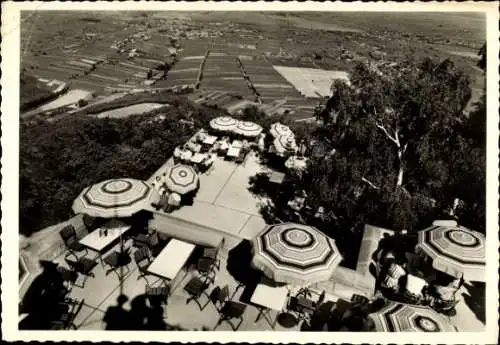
(415, 284)
(171, 260)
(233, 152)
(99, 243)
(237, 144)
(194, 147)
(198, 158)
(177, 152)
(186, 155)
(210, 140)
(269, 298)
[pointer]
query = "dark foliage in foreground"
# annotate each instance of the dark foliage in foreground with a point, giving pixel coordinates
(58, 160)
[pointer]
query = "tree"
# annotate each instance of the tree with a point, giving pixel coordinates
(397, 145)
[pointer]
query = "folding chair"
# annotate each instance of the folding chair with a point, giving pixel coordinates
(83, 266)
(116, 260)
(154, 244)
(212, 253)
(67, 319)
(68, 235)
(68, 276)
(196, 288)
(206, 268)
(142, 260)
(227, 309)
(157, 294)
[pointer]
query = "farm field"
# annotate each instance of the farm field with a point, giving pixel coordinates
(71, 97)
(135, 109)
(222, 73)
(117, 52)
(310, 82)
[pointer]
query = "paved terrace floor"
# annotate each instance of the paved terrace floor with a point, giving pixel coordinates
(223, 201)
(101, 292)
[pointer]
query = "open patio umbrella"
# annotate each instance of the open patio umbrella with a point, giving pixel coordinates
(296, 163)
(181, 179)
(295, 254)
(223, 123)
(396, 317)
(114, 198)
(456, 251)
(277, 129)
(285, 144)
(248, 129)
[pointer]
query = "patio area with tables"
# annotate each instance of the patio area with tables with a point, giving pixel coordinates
(207, 260)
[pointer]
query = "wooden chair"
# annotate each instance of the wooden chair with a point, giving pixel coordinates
(154, 245)
(69, 276)
(226, 308)
(206, 268)
(82, 266)
(197, 288)
(157, 294)
(212, 253)
(68, 235)
(67, 319)
(142, 260)
(116, 260)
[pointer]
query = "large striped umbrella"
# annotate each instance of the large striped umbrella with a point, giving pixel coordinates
(277, 129)
(285, 144)
(455, 250)
(223, 123)
(248, 129)
(397, 317)
(295, 254)
(181, 179)
(114, 198)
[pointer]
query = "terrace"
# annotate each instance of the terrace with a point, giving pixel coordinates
(224, 214)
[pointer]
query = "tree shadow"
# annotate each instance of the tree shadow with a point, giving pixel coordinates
(476, 299)
(240, 268)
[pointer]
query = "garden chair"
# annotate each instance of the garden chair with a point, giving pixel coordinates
(142, 260)
(206, 268)
(157, 294)
(154, 245)
(69, 277)
(226, 308)
(68, 235)
(118, 259)
(140, 240)
(83, 266)
(196, 288)
(303, 306)
(67, 319)
(212, 253)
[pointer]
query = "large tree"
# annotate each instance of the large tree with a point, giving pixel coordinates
(399, 154)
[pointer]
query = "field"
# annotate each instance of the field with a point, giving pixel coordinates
(314, 83)
(135, 109)
(106, 52)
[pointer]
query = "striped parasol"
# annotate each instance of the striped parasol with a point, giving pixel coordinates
(248, 129)
(455, 250)
(277, 129)
(295, 254)
(223, 123)
(396, 317)
(181, 179)
(285, 144)
(114, 198)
